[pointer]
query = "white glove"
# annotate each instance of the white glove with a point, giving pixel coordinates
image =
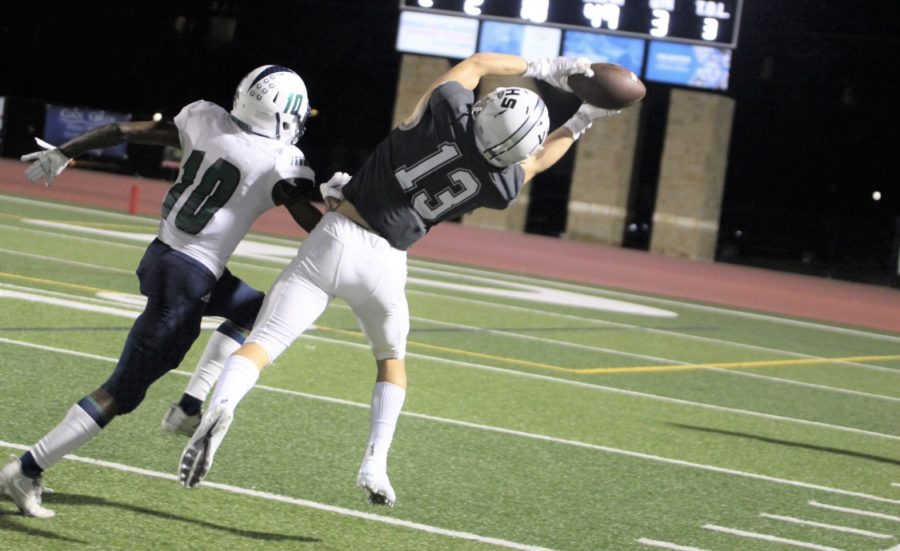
(556, 70)
(47, 164)
(331, 190)
(586, 115)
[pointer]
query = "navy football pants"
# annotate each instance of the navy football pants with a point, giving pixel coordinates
(179, 291)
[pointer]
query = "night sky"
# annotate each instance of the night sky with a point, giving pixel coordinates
(816, 129)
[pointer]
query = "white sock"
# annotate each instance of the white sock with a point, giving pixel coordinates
(387, 401)
(76, 428)
(217, 350)
(238, 377)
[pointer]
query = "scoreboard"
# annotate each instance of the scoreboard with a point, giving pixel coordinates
(704, 22)
(680, 42)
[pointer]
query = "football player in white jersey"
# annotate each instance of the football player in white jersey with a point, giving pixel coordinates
(234, 167)
(451, 155)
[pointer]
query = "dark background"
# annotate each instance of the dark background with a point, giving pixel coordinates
(816, 128)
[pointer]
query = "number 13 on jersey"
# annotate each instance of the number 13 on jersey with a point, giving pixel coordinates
(434, 191)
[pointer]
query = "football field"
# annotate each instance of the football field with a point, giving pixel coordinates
(540, 415)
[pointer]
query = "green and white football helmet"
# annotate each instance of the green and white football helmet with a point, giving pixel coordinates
(272, 101)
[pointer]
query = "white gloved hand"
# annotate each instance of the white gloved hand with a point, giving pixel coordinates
(556, 70)
(45, 165)
(331, 190)
(585, 116)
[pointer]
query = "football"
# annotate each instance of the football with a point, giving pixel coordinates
(611, 87)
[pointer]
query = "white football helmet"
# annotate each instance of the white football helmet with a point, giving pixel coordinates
(510, 125)
(271, 101)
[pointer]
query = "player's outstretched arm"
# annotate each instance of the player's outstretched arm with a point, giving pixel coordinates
(51, 161)
(560, 140)
(468, 73)
(161, 132)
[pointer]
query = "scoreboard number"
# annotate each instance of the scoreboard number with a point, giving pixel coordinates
(706, 22)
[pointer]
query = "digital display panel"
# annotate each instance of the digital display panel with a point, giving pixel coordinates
(708, 22)
(604, 48)
(688, 65)
(434, 34)
(527, 41)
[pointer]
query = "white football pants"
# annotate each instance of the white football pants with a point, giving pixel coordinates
(338, 259)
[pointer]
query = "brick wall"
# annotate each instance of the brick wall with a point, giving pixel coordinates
(692, 175)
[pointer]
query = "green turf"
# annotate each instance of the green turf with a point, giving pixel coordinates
(529, 424)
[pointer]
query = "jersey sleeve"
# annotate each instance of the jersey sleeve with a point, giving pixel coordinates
(508, 182)
(191, 122)
(452, 95)
(293, 174)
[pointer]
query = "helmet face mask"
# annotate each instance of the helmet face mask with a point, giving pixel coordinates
(510, 125)
(272, 101)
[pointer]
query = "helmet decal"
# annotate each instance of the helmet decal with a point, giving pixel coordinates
(510, 125)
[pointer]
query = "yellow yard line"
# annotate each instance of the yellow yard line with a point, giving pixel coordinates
(54, 283)
(460, 352)
(736, 365)
(550, 367)
(635, 369)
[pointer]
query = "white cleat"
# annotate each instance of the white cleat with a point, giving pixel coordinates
(24, 491)
(197, 457)
(372, 478)
(178, 422)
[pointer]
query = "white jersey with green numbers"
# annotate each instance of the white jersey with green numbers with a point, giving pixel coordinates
(224, 184)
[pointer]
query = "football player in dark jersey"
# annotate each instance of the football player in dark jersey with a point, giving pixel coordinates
(450, 156)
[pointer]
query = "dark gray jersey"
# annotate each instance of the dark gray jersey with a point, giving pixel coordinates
(429, 172)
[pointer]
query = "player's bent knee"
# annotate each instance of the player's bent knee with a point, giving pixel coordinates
(256, 353)
(389, 352)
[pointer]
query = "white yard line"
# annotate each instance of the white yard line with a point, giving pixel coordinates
(859, 512)
(116, 308)
(443, 269)
(613, 352)
(68, 262)
(624, 295)
(72, 208)
(539, 437)
(642, 329)
(302, 503)
(589, 290)
(769, 538)
(579, 384)
(668, 545)
(837, 528)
